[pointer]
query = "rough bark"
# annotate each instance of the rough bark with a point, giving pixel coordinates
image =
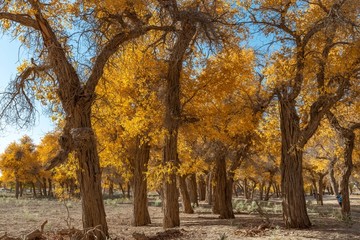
(172, 122)
(89, 173)
(186, 202)
(223, 190)
(292, 185)
(141, 214)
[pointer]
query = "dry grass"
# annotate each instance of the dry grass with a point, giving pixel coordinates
(19, 217)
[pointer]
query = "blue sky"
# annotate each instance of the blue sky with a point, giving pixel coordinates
(10, 57)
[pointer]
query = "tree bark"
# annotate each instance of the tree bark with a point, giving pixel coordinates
(33, 189)
(50, 191)
(17, 188)
(321, 189)
(192, 186)
(202, 188)
(172, 122)
(89, 174)
(346, 173)
(223, 189)
(141, 214)
(44, 186)
(186, 202)
(209, 188)
(334, 184)
(292, 185)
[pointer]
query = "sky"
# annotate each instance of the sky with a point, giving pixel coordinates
(10, 58)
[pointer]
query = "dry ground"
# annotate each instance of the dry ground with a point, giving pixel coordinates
(19, 217)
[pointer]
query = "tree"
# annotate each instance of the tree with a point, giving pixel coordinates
(308, 34)
(19, 163)
(123, 21)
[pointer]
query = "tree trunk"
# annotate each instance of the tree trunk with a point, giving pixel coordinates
(270, 183)
(44, 186)
(33, 189)
(202, 188)
(223, 190)
(21, 188)
(172, 122)
(50, 191)
(93, 212)
(292, 185)
(209, 188)
(111, 188)
(128, 194)
(346, 173)
(246, 189)
(17, 188)
(192, 186)
(321, 189)
(261, 190)
(186, 202)
(334, 184)
(141, 214)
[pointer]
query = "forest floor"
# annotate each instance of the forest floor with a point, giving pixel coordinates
(19, 217)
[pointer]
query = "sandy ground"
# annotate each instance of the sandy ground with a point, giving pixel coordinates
(19, 217)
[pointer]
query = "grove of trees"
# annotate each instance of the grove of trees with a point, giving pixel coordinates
(192, 99)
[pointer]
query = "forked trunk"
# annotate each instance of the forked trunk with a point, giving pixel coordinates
(89, 174)
(185, 195)
(141, 214)
(292, 185)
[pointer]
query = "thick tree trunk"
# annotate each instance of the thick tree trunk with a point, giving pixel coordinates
(141, 214)
(202, 188)
(93, 212)
(17, 188)
(292, 185)
(192, 186)
(223, 190)
(186, 202)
